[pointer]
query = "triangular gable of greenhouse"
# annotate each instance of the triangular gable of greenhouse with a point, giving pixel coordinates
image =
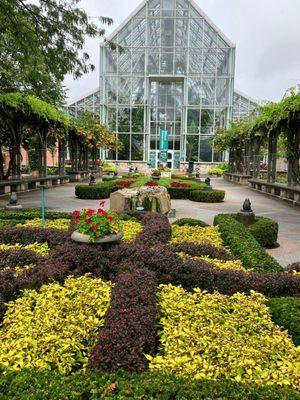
(142, 27)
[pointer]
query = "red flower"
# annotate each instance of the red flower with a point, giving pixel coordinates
(89, 212)
(77, 219)
(102, 212)
(75, 213)
(111, 219)
(101, 204)
(88, 220)
(94, 228)
(118, 212)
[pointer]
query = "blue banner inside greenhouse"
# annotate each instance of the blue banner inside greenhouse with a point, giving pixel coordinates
(164, 140)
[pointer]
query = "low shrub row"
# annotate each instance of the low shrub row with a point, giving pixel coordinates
(286, 313)
(217, 336)
(129, 331)
(50, 385)
(265, 231)
(156, 228)
(201, 250)
(207, 196)
(26, 236)
(100, 191)
(18, 258)
(31, 213)
(244, 245)
(190, 222)
(197, 234)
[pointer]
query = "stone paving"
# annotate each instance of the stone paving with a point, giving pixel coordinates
(62, 198)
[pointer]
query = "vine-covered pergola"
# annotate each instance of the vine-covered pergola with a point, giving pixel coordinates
(30, 123)
(246, 140)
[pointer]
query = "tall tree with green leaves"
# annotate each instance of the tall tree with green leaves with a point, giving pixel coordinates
(41, 41)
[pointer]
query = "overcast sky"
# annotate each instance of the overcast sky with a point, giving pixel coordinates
(266, 34)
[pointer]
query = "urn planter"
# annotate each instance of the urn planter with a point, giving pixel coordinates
(82, 238)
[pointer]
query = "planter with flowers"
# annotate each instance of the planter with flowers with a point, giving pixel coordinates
(97, 226)
(156, 174)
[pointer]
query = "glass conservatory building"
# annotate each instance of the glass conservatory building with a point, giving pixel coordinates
(168, 88)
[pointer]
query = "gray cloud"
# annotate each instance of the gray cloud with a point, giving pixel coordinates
(266, 33)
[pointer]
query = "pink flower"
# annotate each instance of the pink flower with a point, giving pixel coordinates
(118, 212)
(94, 228)
(101, 204)
(111, 219)
(75, 213)
(89, 212)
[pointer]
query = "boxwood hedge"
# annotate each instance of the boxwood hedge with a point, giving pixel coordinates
(190, 222)
(244, 245)
(286, 313)
(207, 196)
(265, 231)
(35, 385)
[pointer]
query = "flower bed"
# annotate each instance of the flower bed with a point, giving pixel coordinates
(183, 258)
(214, 336)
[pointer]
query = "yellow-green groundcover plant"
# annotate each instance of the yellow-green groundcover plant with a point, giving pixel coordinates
(39, 248)
(60, 223)
(54, 328)
(197, 234)
(219, 264)
(130, 230)
(215, 336)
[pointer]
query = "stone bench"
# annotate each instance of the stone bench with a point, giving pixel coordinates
(290, 194)
(31, 183)
(237, 178)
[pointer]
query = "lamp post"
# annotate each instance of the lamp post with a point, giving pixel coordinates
(42, 189)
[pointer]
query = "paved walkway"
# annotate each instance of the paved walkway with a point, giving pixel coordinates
(62, 199)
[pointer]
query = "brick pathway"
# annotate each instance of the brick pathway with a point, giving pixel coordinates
(62, 199)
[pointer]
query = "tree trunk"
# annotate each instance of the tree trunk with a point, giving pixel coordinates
(272, 157)
(293, 159)
(61, 157)
(256, 157)
(247, 160)
(1, 164)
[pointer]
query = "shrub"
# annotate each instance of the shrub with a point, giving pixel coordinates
(294, 267)
(203, 249)
(27, 236)
(50, 385)
(31, 213)
(100, 191)
(190, 222)
(286, 313)
(41, 249)
(215, 262)
(55, 328)
(265, 231)
(244, 246)
(215, 171)
(196, 234)
(130, 230)
(59, 223)
(233, 337)
(180, 185)
(156, 228)
(130, 325)
(8, 222)
(207, 196)
(18, 258)
(179, 193)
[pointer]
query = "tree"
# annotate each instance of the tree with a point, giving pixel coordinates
(41, 41)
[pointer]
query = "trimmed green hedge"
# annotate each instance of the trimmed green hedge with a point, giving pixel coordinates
(30, 213)
(207, 196)
(286, 313)
(190, 222)
(92, 386)
(265, 231)
(179, 193)
(101, 191)
(244, 245)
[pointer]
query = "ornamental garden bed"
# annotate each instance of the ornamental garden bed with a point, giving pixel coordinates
(177, 188)
(169, 312)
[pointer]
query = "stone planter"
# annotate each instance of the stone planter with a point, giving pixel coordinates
(82, 238)
(155, 177)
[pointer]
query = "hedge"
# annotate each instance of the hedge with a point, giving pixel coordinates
(207, 196)
(265, 231)
(130, 325)
(244, 245)
(190, 222)
(100, 191)
(49, 385)
(179, 193)
(31, 213)
(285, 312)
